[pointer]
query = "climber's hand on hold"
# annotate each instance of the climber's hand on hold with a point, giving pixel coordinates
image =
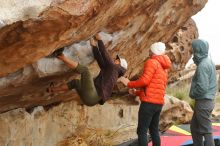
(92, 42)
(97, 37)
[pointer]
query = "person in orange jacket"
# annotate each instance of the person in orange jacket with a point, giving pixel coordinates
(150, 87)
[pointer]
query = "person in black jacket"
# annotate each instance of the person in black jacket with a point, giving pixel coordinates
(99, 89)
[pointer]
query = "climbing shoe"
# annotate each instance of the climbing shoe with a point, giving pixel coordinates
(57, 53)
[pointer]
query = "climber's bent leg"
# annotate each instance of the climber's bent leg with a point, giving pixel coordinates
(74, 84)
(85, 86)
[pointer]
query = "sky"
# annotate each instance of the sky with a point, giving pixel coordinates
(208, 24)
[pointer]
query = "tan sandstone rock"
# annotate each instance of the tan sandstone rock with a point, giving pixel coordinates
(31, 30)
(128, 28)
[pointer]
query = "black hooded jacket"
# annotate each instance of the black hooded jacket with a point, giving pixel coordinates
(109, 72)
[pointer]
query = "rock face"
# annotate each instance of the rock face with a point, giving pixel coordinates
(31, 30)
(175, 111)
(127, 28)
(179, 49)
(70, 124)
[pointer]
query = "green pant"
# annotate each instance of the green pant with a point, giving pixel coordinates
(85, 86)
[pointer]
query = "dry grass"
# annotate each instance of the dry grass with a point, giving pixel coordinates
(91, 137)
(218, 99)
(181, 92)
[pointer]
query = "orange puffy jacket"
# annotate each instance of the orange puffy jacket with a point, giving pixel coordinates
(153, 81)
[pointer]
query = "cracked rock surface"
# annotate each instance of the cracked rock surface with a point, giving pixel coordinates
(31, 30)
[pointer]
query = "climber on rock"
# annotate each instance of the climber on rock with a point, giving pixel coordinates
(99, 89)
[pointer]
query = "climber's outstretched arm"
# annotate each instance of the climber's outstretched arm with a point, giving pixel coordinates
(69, 62)
(97, 54)
(105, 55)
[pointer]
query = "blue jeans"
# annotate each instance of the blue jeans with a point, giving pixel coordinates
(148, 118)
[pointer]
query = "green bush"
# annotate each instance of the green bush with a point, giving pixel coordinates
(192, 103)
(181, 92)
(217, 99)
